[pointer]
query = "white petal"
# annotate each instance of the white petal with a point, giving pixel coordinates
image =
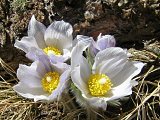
(130, 70)
(95, 102)
(80, 83)
(77, 51)
(62, 58)
(113, 66)
(26, 43)
(128, 54)
(81, 38)
(107, 54)
(31, 93)
(60, 67)
(56, 94)
(106, 41)
(94, 48)
(45, 61)
(29, 75)
(88, 101)
(37, 30)
(54, 59)
(39, 55)
(120, 91)
(66, 54)
(33, 53)
(99, 36)
(78, 59)
(41, 69)
(85, 69)
(59, 34)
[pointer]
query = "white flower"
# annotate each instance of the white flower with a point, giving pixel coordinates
(55, 41)
(102, 43)
(42, 80)
(108, 79)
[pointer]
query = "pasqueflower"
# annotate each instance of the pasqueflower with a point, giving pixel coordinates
(55, 41)
(102, 42)
(42, 80)
(109, 78)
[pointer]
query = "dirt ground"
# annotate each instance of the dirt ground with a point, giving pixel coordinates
(135, 25)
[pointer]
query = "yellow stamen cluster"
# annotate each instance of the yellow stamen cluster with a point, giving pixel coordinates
(50, 81)
(52, 50)
(99, 84)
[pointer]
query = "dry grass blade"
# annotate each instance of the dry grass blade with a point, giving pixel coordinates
(156, 91)
(6, 67)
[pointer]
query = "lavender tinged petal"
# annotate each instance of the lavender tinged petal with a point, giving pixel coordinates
(29, 75)
(37, 30)
(56, 94)
(26, 91)
(38, 55)
(105, 42)
(26, 43)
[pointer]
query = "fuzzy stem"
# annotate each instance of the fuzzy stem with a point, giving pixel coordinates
(68, 102)
(91, 115)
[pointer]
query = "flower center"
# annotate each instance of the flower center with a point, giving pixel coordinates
(50, 81)
(99, 84)
(52, 50)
